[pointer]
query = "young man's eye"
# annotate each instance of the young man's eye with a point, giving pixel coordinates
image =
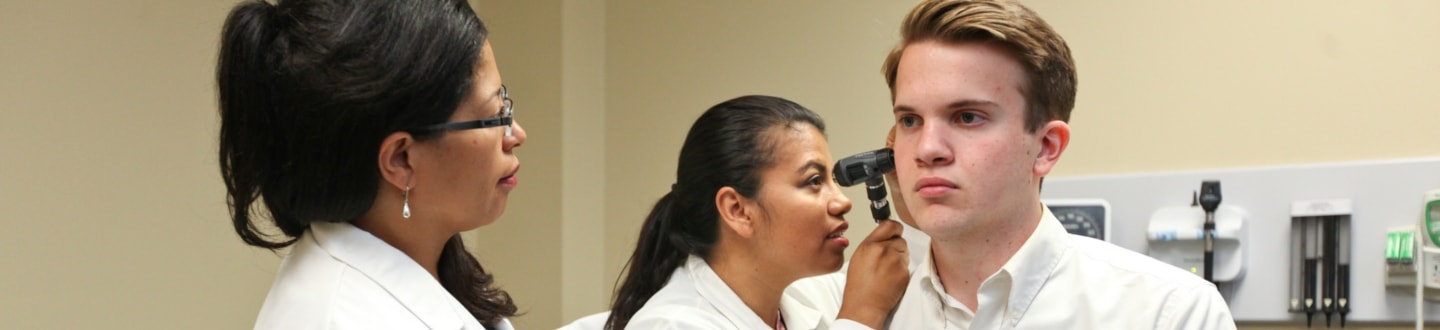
(967, 118)
(908, 121)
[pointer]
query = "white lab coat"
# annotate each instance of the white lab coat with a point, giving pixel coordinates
(338, 276)
(696, 298)
(810, 303)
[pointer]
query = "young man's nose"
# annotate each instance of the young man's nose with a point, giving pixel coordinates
(933, 146)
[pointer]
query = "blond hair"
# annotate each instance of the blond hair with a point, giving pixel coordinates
(1049, 89)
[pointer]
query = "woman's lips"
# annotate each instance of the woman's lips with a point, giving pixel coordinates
(837, 236)
(511, 180)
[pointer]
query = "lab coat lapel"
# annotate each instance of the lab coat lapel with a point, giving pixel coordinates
(399, 275)
(714, 290)
(798, 315)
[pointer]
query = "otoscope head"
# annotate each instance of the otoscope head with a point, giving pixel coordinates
(864, 166)
(1210, 195)
(868, 167)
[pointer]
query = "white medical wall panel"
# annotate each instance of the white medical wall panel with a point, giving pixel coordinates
(1384, 194)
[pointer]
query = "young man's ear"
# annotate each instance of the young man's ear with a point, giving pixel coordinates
(897, 202)
(1054, 137)
(395, 163)
(736, 212)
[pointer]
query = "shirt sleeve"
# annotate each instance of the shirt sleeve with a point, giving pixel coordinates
(1198, 307)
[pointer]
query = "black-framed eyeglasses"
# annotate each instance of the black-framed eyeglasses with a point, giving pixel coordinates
(507, 115)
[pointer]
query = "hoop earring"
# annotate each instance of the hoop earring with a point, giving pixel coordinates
(406, 211)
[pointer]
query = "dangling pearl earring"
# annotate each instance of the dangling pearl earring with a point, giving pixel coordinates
(406, 212)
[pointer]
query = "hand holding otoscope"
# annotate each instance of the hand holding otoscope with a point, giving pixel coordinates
(878, 270)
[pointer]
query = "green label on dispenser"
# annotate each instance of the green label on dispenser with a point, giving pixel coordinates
(1392, 245)
(1432, 222)
(1407, 245)
(1399, 245)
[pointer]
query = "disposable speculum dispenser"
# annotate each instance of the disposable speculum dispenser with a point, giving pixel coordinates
(1403, 256)
(1412, 256)
(1320, 259)
(1428, 258)
(1177, 235)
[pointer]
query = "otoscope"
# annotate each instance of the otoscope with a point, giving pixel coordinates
(1210, 200)
(869, 167)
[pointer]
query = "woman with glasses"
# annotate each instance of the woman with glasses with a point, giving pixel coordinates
(369, 134)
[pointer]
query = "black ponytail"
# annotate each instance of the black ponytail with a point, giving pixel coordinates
(308, 90)
(649, 268)
(247, 106)
(726, 147)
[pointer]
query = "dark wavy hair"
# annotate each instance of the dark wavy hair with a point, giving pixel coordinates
(726, 147)
(308, 89)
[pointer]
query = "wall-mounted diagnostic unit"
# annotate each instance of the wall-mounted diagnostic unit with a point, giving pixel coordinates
(1320, 259)
(1259, 228)
(1204, 238)
(1412, 256)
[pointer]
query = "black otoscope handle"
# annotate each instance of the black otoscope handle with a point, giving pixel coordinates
(879, 206)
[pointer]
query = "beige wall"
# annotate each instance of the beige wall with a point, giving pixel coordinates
(112, 205)
(115, 213)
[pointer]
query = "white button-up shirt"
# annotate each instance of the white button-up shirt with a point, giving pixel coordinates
(338, 276)
(1062, 281)
(696, 298)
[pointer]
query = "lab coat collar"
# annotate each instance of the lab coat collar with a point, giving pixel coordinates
(714, 290)
(797, 314)
(800, 315)
(394, 271)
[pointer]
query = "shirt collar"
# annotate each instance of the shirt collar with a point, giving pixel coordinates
(393, 271)
(1020, 279)
(1033, 264)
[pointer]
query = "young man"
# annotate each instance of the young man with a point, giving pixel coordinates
(982, 91)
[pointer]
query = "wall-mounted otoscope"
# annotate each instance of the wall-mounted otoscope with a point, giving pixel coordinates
(868, 167)
(1209, 201)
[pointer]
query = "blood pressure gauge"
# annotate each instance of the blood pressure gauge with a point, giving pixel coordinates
(1088, 217)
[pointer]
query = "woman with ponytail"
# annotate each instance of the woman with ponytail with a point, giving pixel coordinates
(754, 208)
(369, 134)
